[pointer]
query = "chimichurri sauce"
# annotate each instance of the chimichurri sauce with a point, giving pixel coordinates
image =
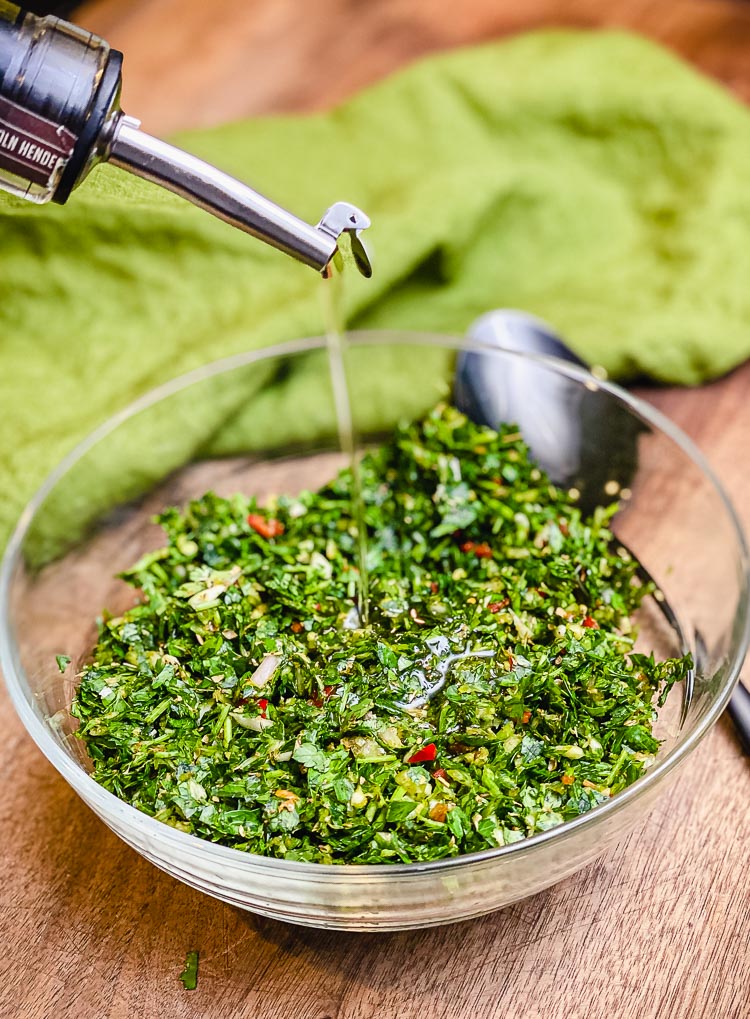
(493, 693)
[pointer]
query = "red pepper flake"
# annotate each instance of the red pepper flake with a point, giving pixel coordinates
(467, 546)
(433, 587)
(428, 753)
(526, 717)
(318, 606)
(266, 528)
(263, 704)
(567, 780)
(297, 627)
(590, 624)
(440, 773)
(327, 691)
(483, 551)
(498, 606)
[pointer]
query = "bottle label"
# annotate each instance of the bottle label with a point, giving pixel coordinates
(32, 147)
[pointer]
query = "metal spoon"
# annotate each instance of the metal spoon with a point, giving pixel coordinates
(564, 430)
(564, 425)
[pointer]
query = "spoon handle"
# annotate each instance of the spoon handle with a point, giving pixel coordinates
(739, 712)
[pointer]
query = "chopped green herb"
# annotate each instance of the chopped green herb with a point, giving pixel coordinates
(493, 694)
(189, 975)
(62, 662)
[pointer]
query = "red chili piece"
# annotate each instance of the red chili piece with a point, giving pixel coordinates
(428, 753)
(467, 546)
(526, 717)
(297, 627)
(483, 551)
(441, 773)
(266, 528)
(498, 606)
(263, 704)
(327, 691)
(590, 624)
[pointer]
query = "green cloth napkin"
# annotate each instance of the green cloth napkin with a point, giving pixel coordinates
(590, 178)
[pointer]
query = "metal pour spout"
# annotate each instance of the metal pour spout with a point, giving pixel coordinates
(234, 202)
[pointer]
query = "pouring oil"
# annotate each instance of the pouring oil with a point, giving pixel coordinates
(333, 289)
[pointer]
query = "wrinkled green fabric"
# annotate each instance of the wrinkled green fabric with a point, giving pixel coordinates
(590, 178)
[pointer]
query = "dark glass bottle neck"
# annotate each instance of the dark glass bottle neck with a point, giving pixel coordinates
(59, 87)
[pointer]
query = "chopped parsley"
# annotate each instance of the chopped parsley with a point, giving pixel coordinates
(189, 975)
(494, 693)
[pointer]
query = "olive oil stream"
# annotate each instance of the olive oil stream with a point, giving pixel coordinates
(336, 343)
(337, 347)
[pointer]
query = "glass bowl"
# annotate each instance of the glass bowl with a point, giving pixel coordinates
(265, 422)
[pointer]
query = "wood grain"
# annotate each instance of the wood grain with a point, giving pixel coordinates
(658, 927)
(191, 64)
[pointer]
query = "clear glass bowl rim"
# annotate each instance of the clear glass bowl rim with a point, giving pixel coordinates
(240, 859)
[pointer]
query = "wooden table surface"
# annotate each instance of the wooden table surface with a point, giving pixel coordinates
(658, 927)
